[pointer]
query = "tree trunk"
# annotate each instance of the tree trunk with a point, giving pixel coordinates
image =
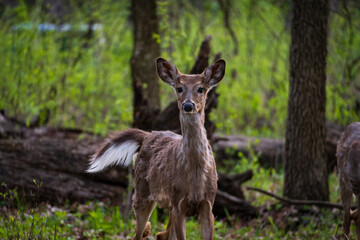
(306, 175)
(146, 49)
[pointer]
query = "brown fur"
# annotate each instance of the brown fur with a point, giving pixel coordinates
(348, 160)
(177, 172)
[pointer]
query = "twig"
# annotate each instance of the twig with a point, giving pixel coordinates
(225, 6)
(297, 202)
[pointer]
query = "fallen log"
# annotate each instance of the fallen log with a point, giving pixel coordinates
(232, 183)
(230, 198)
(229, 147)
(226, 203)
(53, 169)
(269, 150)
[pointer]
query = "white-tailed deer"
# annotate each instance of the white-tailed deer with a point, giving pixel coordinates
(348, 160)
(177, 172)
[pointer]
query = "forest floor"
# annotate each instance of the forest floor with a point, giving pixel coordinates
(103, 221)
(20, 219)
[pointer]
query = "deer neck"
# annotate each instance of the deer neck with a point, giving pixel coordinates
(195, 149)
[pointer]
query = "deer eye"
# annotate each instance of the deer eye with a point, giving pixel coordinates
(201, 90)
(179, 89)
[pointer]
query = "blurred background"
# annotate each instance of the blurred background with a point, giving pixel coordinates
(67, 63)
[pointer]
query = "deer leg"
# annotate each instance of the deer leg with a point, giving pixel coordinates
(346, 196)
(143, 210)
(179, 223)
(169, 234)
(207, 220)
(357, 223)
(356, 215)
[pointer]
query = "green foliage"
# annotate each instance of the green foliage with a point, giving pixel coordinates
(253, 92)
(265, 178)
(86, 87)
(343, 66)
(85, 82)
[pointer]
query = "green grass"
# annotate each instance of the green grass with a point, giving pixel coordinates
(96, 220)
(23, 219)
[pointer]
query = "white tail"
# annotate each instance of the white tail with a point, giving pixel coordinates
(119, 149)
(116, 155)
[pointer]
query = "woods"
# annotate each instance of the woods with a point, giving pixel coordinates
(74, 73)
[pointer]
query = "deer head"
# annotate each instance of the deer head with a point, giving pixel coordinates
(191, 90)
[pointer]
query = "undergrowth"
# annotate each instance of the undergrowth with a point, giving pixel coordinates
(21, 219)
(97, 220)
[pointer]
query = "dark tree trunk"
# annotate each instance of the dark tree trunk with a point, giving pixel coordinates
(306, 175)
(145, 51)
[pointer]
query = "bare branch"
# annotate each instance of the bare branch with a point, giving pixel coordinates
(297, 202)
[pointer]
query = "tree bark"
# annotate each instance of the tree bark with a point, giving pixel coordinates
(306, 175)
(146, 49)
(54, 169)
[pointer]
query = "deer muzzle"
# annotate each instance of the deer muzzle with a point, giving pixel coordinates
(188, 106)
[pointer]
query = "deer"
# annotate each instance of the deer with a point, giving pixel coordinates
(348, 162)
(177, 172)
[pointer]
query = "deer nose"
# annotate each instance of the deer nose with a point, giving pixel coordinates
(188, 106)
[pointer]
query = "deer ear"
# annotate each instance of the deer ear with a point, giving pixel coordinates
(167, 71)
(214, 73)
